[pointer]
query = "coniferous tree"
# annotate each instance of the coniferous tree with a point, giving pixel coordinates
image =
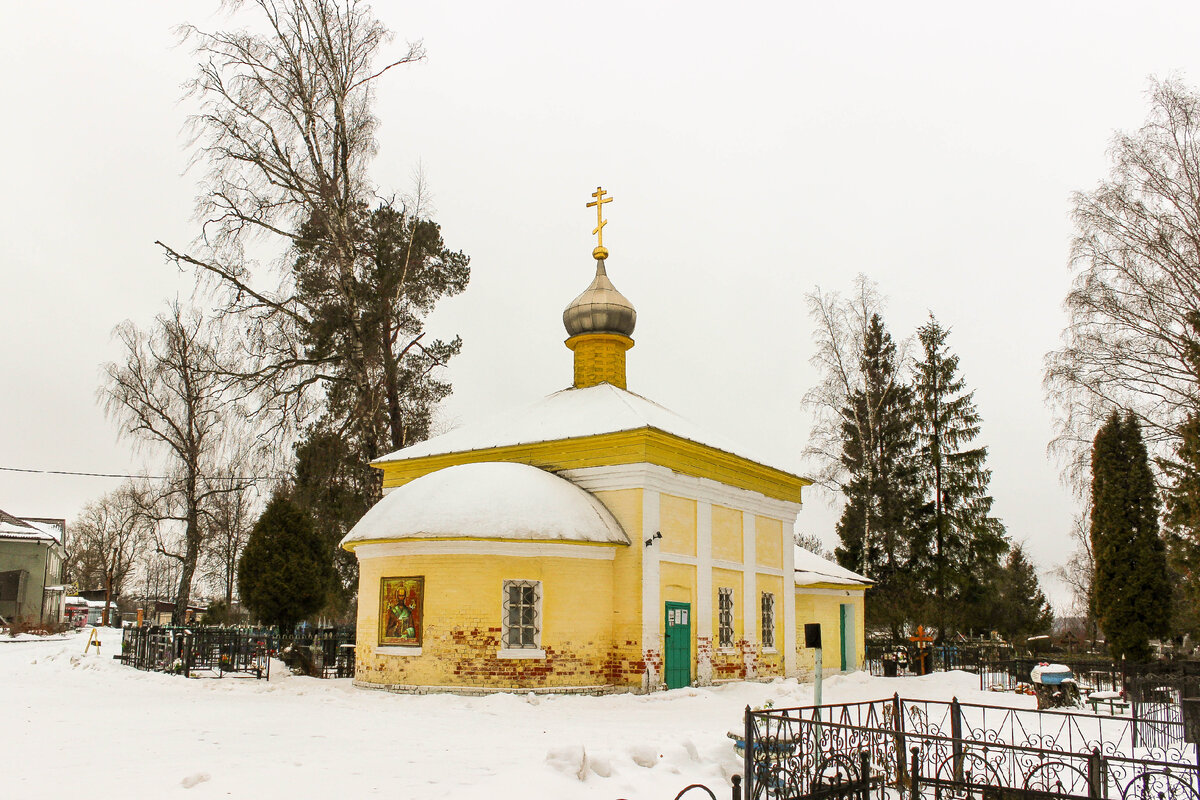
(882, 529)
(1182, 496)
(369, 323)
(967, 542)
(1132, 588)
(366, 326)
(336, 485)
(1020, 608)
(1183, 525)
(285, 571)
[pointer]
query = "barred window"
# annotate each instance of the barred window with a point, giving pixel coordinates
(521, 626)
(724, 617)
(768, 620)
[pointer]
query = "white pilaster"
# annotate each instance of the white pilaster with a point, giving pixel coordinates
(651, 602)
(788, 599)
(704, 592)
(751, 608)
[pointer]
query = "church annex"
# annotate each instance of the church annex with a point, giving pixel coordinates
(591, 541)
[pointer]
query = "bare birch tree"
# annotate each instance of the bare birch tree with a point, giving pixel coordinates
(230, 518)
(285, 133)
(168, 396)
(1079, 571)
(1136, 263)
(840, 326)
(840, 337)
(106, 540)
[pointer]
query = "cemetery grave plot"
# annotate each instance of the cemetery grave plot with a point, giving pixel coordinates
(196, 651)
(909, 749)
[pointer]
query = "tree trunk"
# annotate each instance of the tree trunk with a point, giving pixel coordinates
(391, 378)
(191, 555)
(107, 596)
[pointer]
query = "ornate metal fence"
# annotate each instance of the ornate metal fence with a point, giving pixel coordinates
(1005, 674)
(195, 651)
(884, 657)
(202, 650)
(906, 747)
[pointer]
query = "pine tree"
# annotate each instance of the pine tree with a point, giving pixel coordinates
(1132, 592)
(382, 376)
(1020, 608)
(367, 325)
(881, 531)
(285, 571)
(967, 542)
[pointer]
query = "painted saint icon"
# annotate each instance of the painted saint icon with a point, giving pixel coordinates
(400, 607)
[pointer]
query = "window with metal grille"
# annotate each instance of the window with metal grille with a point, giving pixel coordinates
(768, 620)
(724, 617)
(522, 620)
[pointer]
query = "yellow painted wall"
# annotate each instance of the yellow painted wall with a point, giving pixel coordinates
(826, 609)
(726, 535)
(770, 663)
(677, 584)
(677, 522)
(768, 544)
(728, 663)
(626, 506)
(462, 615)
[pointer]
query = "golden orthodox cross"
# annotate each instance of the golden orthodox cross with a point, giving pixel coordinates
(600, 220)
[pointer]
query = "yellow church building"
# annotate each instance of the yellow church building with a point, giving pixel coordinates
(592, 541)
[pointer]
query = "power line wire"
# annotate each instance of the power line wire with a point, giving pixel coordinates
(144, 477)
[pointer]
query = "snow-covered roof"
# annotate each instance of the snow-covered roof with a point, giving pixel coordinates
(15, 528)
(51, 529)
(489, 500)
(812, 569)
(569, 414)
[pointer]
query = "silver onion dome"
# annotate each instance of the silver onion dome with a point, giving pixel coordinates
(600, 309)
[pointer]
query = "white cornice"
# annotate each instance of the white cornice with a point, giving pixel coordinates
(858, 591)
(644, 475)
(484, 547)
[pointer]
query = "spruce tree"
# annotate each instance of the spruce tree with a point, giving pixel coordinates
(1020, 608)
(1132, 592)
(1183, 526)
(1182, 518)
(967, 542)
(334, 483)
(285, 571)
(882, 530)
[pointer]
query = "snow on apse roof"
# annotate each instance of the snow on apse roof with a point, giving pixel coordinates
(490, 500)
(811, 568)
(569, 414)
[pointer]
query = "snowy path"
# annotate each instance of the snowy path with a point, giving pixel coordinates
(84, 726)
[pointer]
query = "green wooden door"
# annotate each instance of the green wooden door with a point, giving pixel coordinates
(848, 637)
(677, 653)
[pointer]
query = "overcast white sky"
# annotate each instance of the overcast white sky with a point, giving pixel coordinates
(754, 151)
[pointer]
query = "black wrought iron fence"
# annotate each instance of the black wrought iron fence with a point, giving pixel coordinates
(326, 652)
(856, 750)
(216, 651)
(1108, 676)
(194, 651)
(889, 659)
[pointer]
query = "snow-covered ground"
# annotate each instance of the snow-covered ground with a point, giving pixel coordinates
(84, 726)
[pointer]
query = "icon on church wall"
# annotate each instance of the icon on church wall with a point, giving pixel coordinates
(400, 606)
